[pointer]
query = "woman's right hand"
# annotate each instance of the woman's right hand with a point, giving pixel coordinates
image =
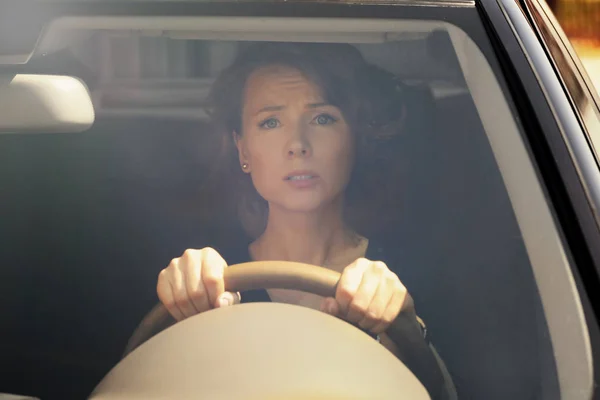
(193, 283)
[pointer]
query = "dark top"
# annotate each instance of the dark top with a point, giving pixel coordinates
(242, 255)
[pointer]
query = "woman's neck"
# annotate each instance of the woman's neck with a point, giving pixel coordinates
(314, 238)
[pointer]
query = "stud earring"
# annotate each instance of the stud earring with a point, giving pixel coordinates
(245, 166)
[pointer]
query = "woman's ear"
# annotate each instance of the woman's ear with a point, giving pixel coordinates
(242, 152)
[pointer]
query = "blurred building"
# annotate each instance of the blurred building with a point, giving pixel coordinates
(580, 19)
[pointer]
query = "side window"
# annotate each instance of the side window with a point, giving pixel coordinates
(585, 99)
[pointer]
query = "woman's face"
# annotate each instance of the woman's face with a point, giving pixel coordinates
(298, 149)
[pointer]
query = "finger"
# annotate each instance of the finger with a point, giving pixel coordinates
(330, 306)
(228, 299)
(349, 283)
(366, 292)
(165, 294)
(213, 267)
(397, 303)
(191, 265)
(182, 298)
(379, 303)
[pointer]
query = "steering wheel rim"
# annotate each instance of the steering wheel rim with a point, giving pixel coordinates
(309, 278)
(248, 276)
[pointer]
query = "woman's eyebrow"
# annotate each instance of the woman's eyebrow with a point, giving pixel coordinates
(270, 109)
(279, 108)
(317, 105)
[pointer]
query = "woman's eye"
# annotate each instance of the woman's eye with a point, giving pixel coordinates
(270, 123)
(324, 119)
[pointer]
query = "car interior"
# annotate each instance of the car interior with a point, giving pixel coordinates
(89, 219)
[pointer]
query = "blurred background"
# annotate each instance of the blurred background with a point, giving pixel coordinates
(580, 19)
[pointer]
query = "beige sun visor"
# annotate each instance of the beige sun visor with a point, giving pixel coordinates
(44, 104)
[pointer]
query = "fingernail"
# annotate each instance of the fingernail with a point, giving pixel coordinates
(224, 301)
(331, 308)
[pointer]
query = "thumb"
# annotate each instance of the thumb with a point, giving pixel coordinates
(330, 306)
(228, 299)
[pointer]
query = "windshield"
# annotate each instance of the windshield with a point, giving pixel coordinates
(441, 185)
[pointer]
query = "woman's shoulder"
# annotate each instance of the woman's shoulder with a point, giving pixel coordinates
(392, 255)
(235, 252)
(377, 250)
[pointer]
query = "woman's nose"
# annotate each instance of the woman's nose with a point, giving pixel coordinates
(299, 147)
(303, 151)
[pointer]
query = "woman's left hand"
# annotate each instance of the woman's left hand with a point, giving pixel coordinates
(369, 295)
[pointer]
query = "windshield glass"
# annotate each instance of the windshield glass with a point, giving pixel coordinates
(204, 135)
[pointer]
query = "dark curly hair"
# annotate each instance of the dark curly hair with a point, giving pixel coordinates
(371, 99)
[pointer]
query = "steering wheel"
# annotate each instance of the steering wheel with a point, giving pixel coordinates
(307, 353)
(248, 276)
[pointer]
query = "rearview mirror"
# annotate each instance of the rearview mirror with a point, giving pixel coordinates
(44, 104)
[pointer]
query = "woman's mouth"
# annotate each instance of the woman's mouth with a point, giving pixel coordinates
(302, 179)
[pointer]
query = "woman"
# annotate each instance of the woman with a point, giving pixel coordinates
(300, 119)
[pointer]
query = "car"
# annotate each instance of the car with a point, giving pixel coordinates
(104, 158)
